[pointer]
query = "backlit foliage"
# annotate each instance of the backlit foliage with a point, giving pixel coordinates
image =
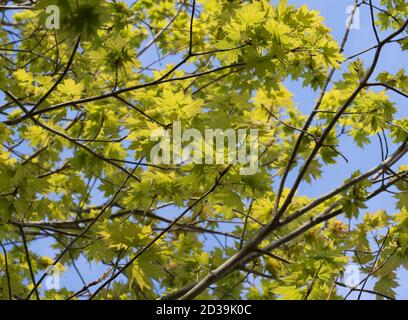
(80, 104)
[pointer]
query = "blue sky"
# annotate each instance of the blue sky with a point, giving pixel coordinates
(392, 60)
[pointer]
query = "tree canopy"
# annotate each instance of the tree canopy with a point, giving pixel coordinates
(80, 104)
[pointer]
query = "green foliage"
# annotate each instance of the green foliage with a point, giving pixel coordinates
(77, 170)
